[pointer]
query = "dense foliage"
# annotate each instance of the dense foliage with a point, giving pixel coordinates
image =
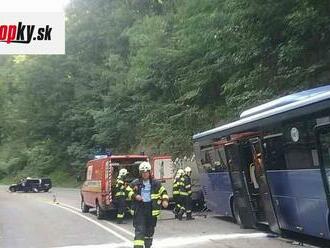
(145, 75)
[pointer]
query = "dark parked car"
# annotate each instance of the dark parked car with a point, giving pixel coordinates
(32, 185)
(45, 184)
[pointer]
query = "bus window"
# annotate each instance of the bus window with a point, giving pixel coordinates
(274, 157)
(220, 159)
(213, 160)
(298, 156)
(299, 145)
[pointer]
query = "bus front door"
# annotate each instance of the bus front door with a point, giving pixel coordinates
(264, 195)
(242, 205)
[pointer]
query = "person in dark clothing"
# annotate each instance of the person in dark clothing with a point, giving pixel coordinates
(176, 192)
(186, 194)
(149, 196)
(121, 192)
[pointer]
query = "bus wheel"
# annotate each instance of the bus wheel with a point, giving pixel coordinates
(99, 212)
(84, 207)
(236, 213)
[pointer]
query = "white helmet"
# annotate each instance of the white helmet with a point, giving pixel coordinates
(179, 173)
(122, 173)
(145, 166)
(187, 170)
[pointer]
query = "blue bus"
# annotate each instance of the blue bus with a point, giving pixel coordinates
(272, 166)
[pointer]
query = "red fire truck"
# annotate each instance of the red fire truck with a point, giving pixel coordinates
(101, 174)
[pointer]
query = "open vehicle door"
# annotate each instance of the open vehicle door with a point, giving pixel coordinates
(323, 146)
(264, 191)
(242, 204)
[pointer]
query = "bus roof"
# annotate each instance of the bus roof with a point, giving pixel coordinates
(300, 96)
(290, 102)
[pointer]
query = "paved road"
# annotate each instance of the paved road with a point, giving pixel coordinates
(34, 220)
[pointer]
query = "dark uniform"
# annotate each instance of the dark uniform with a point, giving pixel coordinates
(146, 213)
(188, 199)
(122, 191)
(181, 197)
(176, 196)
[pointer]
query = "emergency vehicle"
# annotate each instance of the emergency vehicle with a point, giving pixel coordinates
(163, 169)
(101, 175)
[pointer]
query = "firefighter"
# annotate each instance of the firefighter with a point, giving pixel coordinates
(121, 194)
(186, 194)
(176, 192)
(149, 196)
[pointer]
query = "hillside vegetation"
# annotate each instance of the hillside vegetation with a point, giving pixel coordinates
(145, 75)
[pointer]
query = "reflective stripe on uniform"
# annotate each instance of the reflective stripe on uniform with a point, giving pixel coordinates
(184, 193)
(130, 194)
(165, 197)
(161, 190)
(138, 242)
(155, 212)
(188, 186)
(155, 196)
(119, 193)
(176, 192)
(119, 216)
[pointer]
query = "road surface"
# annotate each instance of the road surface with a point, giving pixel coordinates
(54, 219)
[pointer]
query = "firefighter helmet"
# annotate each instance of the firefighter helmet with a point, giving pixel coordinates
(122, 173)
(187, 170)
(145, 166)
(179, 173)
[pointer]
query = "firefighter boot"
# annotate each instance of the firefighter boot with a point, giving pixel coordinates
(189, 216)
(175, 212)
(180, 214)
(147, 242)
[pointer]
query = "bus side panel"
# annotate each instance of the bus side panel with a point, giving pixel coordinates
(300, 201)
(217, 192)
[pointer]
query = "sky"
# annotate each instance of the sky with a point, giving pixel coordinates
(33, 5)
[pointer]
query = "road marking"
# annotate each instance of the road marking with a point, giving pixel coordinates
(77, 210)
(181, 241)
(109, 223)
(94, 222)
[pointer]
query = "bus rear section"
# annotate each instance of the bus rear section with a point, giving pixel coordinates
(214, 178)
(197, 194)
(163, 170)
(101, 175)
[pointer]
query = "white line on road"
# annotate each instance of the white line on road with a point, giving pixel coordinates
(182, 241)
(95, 222)
(109, 223)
